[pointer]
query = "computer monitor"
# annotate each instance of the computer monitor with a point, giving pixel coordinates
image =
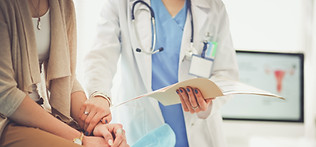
(279, 73)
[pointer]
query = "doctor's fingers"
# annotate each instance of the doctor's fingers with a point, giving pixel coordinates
(88, 120)
(192, 99)
(94, 121)
(201, 101)
(185, 97)
(95, 114)
(185, 108)
(209, 101)
(84, 112)
(106, 119)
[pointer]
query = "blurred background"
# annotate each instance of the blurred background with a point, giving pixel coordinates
(279, 26)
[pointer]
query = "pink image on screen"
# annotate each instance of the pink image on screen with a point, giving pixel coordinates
(279, 74)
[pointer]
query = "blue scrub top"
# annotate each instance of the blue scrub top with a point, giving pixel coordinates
(165, 64)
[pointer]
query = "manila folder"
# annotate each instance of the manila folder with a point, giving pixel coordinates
(214, 88)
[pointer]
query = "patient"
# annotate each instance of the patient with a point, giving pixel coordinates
(37, 62)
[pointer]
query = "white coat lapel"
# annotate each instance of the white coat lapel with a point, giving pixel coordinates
(200, 9)
(141, 38)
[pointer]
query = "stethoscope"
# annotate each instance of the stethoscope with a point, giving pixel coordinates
(152, 50)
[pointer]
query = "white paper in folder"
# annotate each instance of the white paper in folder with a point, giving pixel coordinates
(214, 88)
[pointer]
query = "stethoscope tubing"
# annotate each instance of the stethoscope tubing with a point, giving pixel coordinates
(154, 25)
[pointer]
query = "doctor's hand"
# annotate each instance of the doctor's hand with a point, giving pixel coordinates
(93, 111)
(192, 99)
(113, 134)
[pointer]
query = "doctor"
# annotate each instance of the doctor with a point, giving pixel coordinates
(155, 42)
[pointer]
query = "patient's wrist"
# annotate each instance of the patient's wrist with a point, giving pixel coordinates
(79, 140)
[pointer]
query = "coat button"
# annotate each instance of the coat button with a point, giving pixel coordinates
(192, 124)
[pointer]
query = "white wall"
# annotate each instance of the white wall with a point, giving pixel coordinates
(274, 25)
(262, 25)
(88, 12)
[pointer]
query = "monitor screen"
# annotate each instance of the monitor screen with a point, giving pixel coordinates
(279, 73)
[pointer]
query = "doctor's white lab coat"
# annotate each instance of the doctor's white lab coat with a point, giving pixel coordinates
(116, 40)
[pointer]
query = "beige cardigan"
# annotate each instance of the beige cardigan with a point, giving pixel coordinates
(19, 60)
